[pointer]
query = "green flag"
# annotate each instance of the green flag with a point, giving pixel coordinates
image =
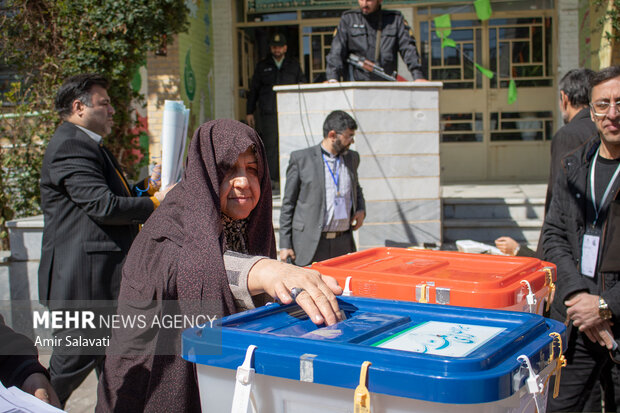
(512, 92)
(485, 71)
(483, 9)
(446, 41)
(443, 25)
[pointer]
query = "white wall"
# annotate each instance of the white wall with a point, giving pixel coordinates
(567, 42)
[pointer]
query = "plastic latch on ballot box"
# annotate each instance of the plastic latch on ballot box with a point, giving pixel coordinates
(561, 361)
(347, 292)
(243, 384)
(551, 285)
(422, 293)
(530, 298)
(534, 385)
(362, 395)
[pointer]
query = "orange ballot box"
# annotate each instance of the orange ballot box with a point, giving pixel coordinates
(444, 277)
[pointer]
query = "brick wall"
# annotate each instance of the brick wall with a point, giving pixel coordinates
(164, 80)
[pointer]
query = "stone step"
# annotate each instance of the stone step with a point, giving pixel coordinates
(493, 208)
(480, 219)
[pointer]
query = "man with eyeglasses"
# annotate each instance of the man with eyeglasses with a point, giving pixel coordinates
(581, 235)
(323, 201)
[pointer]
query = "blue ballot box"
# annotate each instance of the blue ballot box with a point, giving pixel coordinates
(422, 358)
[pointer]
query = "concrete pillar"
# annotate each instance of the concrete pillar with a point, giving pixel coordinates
(398, 141)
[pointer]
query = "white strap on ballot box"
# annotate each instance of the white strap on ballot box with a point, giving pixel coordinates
(243, 384)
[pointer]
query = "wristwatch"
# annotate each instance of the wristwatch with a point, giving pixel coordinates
(603, 309)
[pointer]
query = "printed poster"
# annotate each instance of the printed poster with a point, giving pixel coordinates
(440, 338)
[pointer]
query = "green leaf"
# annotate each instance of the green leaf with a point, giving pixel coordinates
(447, 42)
(488, 73)
(443, 25)
(483, 9)
(512, 92)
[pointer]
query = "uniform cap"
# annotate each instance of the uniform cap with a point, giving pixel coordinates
(277, 39)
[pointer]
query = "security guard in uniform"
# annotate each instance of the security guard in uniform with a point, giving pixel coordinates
(360, 31)
(276, 69)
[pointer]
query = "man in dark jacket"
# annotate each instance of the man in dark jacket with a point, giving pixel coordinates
(581, 235)
(360, 31)
(276, 69)
(578, 127)
(91, 216)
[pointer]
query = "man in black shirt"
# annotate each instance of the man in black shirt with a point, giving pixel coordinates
(276, 69)
(360, 31)
(581, 235)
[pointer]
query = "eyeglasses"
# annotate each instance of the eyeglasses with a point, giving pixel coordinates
(601, 107)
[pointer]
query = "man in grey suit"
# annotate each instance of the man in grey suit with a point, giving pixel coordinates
(91, 216)
(323, 201)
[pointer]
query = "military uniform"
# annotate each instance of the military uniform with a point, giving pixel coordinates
(266, 76)
(357, 34)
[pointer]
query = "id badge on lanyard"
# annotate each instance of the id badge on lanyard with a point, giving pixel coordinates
(340, 208)
(592, 237)
(589, 251)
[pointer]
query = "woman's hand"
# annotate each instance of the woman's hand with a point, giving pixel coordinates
(155, 178)
(318, 298)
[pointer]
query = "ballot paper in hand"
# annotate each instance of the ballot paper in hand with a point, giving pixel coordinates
(14, 400)
(173, 139)
(475, 247)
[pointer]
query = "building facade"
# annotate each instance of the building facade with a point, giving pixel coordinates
(484, 138)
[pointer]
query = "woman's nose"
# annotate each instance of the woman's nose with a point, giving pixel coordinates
(241, 181)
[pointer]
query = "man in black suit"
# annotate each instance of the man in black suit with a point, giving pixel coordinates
(578, 127)
(91, 218)
(323, 200)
